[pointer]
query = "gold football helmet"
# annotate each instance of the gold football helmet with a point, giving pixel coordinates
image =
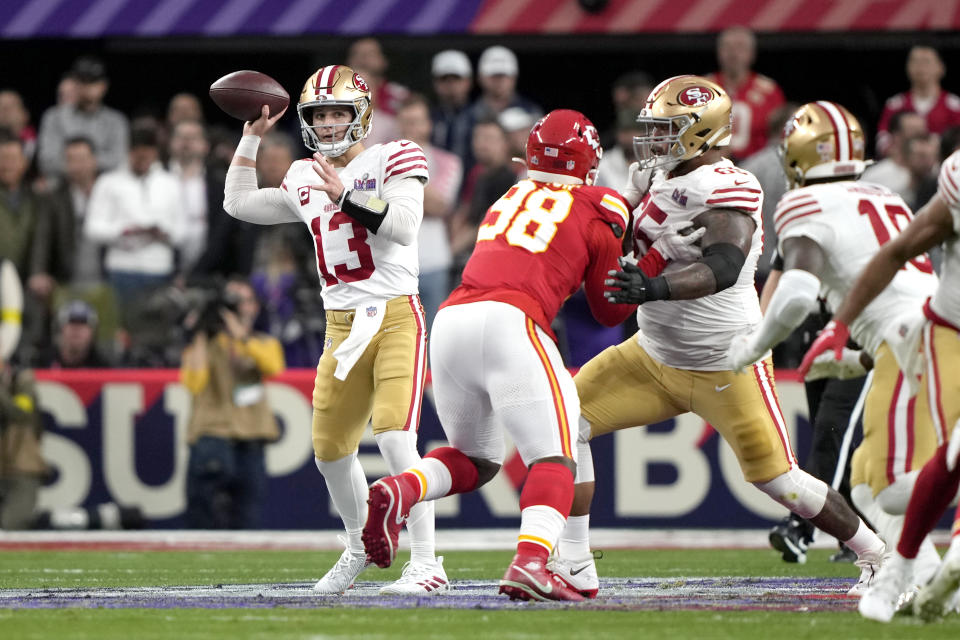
(335, 85)
(822, 140)
(684, 117)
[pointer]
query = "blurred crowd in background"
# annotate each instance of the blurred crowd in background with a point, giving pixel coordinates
(115, 223)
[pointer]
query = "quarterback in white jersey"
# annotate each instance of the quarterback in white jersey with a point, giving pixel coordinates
(829, 227)
(937, 223)
(688, 317)
(362, 207)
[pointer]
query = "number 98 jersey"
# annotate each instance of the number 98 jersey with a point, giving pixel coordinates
(355, 264)
(850, 221)
(539, 242)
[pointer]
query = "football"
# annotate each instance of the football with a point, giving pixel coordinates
(242, 93)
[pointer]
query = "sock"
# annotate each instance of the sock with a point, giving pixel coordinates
(442, 472)
(347, 486)
(933, 492)
(864, 541)
(575, 538)
(544, 506)
(399, 449)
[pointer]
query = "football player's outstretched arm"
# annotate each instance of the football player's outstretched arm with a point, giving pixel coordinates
(242, 199)
(604, 247)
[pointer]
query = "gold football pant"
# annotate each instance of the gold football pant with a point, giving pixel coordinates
(386, 383)
(624, 387)
(898, 434)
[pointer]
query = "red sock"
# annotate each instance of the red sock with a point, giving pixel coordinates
(933, 492)
(463, 473)
(548, 484)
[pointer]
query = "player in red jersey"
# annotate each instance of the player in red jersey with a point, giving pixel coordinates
(495, 364)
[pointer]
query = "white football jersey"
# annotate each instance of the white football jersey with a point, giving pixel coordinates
(946, 301)
(849, 221)
(695, 334)
(354, 263)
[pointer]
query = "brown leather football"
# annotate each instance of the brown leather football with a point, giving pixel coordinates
(242, 93)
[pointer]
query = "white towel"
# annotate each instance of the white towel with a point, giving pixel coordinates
(905, 339)
(367, 318)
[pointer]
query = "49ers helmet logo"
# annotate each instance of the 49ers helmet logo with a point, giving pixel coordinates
(695, 96)
(359, 82)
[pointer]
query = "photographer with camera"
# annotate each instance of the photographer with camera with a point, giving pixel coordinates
(223, 367)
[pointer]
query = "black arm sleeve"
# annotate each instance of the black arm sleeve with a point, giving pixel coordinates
(366, 209)
(726, 261)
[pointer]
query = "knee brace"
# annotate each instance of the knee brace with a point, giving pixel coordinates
(584, 454)
(798, 491)
(895, 497)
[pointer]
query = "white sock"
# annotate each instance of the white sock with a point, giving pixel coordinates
(865, 540)
(399, 449)
(541, 525)
(347, 486)
(575, 538)
(436, 476)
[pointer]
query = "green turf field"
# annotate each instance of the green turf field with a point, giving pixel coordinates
(43, 570)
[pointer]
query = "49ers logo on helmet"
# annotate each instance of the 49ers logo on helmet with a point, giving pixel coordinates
(359, 82)
(695, 96)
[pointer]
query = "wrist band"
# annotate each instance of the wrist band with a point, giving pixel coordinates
(248, 147)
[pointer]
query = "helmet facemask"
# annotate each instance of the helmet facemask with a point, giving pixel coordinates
(658, 146)
(313, 135)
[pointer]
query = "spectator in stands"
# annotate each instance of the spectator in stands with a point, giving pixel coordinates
(921, 159)
(439, 200)
(224, 368)
(497, 72)
(365, 56)
(183, 107)
(939, 109)
(137, 212)
(892, 171)
(517, 123)
(452, 114)
(107, 128)
(615, 163)
(629, 93)
(15, 117)
(754, 96)
(82, 256)
(68, 89)
(74, 343)
(487, 181)
(767, 166)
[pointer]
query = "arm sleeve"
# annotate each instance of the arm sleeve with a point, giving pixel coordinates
(267, 353)
(50, 144)
(244, 201)
(114, 150)
(604, 249)
(402, 220)
(195, 380)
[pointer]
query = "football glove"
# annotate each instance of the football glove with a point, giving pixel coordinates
(834, 336)
(826, 365)
(674, 245)
(632, 286)
(638, 183)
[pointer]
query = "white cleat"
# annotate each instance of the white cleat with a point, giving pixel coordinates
(580, 575)
(419, 579)
(883, 595)
(939, 597)
(869, 563)
(341, 576)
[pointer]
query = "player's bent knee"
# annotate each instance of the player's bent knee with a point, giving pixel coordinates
(798, 491)
(564, 460)
(895, 498)
(486, 470)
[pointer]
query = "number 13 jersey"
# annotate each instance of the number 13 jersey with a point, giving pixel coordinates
(354, 264)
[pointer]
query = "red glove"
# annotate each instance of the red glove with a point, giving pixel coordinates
(834, 336)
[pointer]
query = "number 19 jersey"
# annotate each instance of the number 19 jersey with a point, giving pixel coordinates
(354, 263)
(850, 221)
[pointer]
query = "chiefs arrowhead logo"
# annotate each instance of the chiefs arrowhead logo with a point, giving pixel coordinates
(695, 96)
(359, 82)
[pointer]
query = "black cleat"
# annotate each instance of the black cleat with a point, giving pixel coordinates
(791, 538)
(844, 554)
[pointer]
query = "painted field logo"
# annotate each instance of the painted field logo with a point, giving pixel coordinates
(695, 96)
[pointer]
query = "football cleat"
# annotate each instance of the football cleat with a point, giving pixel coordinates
(528, 578)
(883, 594)
(389, 506)
(419, 579)
(791, 537)
(341, 576)
(844, 554)
(939, 596)
(580, 575)
(869, 563)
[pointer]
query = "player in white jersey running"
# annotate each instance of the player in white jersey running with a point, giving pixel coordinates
(688, 316)
(829, 226)
(937, 223)
(363, 208)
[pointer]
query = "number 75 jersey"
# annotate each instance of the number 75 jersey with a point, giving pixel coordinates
(850, 221)
(355, 265)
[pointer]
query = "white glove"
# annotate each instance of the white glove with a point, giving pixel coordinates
(638, 183)
(673, 245)
(743, 352)
(826, 365)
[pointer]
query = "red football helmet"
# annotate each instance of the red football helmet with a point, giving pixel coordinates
(563, 142)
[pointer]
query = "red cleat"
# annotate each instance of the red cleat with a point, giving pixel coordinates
(529, 579)
(389, 505)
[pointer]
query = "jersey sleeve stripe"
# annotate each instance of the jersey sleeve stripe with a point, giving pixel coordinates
(784, 210)
(735, 189)
(781, 225)
(400, 172)
(403, 161)
(949, 186)
(616, 206)
(405, 151)
(738, 198)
